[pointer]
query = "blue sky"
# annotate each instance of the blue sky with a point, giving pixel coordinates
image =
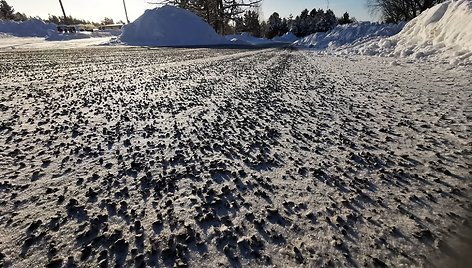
(96, 10)
(357, 8)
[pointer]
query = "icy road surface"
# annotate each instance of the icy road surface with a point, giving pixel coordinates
(167, 157)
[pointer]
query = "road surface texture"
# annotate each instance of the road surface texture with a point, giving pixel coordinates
(219, 157)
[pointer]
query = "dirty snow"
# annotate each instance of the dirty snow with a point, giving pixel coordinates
(235, 158)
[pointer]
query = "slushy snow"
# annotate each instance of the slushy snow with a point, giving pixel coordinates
(29, 28)
(170, 26)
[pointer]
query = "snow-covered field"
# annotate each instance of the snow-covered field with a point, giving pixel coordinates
(135, 156)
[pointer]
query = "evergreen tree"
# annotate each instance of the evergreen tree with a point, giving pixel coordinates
(6, 11)
(107, 21)
(252, 24)
(328, 22)
(345, 19)
(274, 25)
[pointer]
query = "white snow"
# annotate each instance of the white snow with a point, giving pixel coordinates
(29, 28)
(349, 34)
(55, 36)
(170, 26)
(442, 33)
(40, 43)
(286, 38)
(247, 39)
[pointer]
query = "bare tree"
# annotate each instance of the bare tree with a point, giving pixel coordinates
(400, 10)
(217, 13)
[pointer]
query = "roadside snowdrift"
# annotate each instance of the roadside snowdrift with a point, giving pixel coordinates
(29, 28)
(441, 33)
(170, 26)
(286, 38)
(349, 34)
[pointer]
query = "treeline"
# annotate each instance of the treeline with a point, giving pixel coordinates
(236, 16)
(8, 13)
(71, 20)
(308, 22)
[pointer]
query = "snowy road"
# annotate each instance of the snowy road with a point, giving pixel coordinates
(234, 157)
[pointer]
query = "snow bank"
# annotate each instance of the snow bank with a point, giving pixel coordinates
(170, 26)
(349, 34)
(444, 32)
(286, 38)
(29, 28)
(247, 39)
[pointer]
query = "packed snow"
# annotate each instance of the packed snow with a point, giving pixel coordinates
(55, 36)
(170, 26)
(29, 28)
(40, 43)
(247, 39)
(133, 157)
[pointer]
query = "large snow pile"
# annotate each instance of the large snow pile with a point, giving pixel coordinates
(286, 38)
(170, 26)
(29, 28)
(349, 34)
(443, 32)
(247, 39)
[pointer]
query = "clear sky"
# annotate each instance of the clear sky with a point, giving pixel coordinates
(96, 10)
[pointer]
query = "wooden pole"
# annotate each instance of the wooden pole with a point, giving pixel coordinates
(126, 12)
(63, 12)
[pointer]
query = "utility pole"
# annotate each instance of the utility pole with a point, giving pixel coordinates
(126, 12)
(63, 11)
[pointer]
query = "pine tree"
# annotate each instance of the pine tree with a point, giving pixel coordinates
(252, 24)
(274, 25)
(6, 11)
(345, 19)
